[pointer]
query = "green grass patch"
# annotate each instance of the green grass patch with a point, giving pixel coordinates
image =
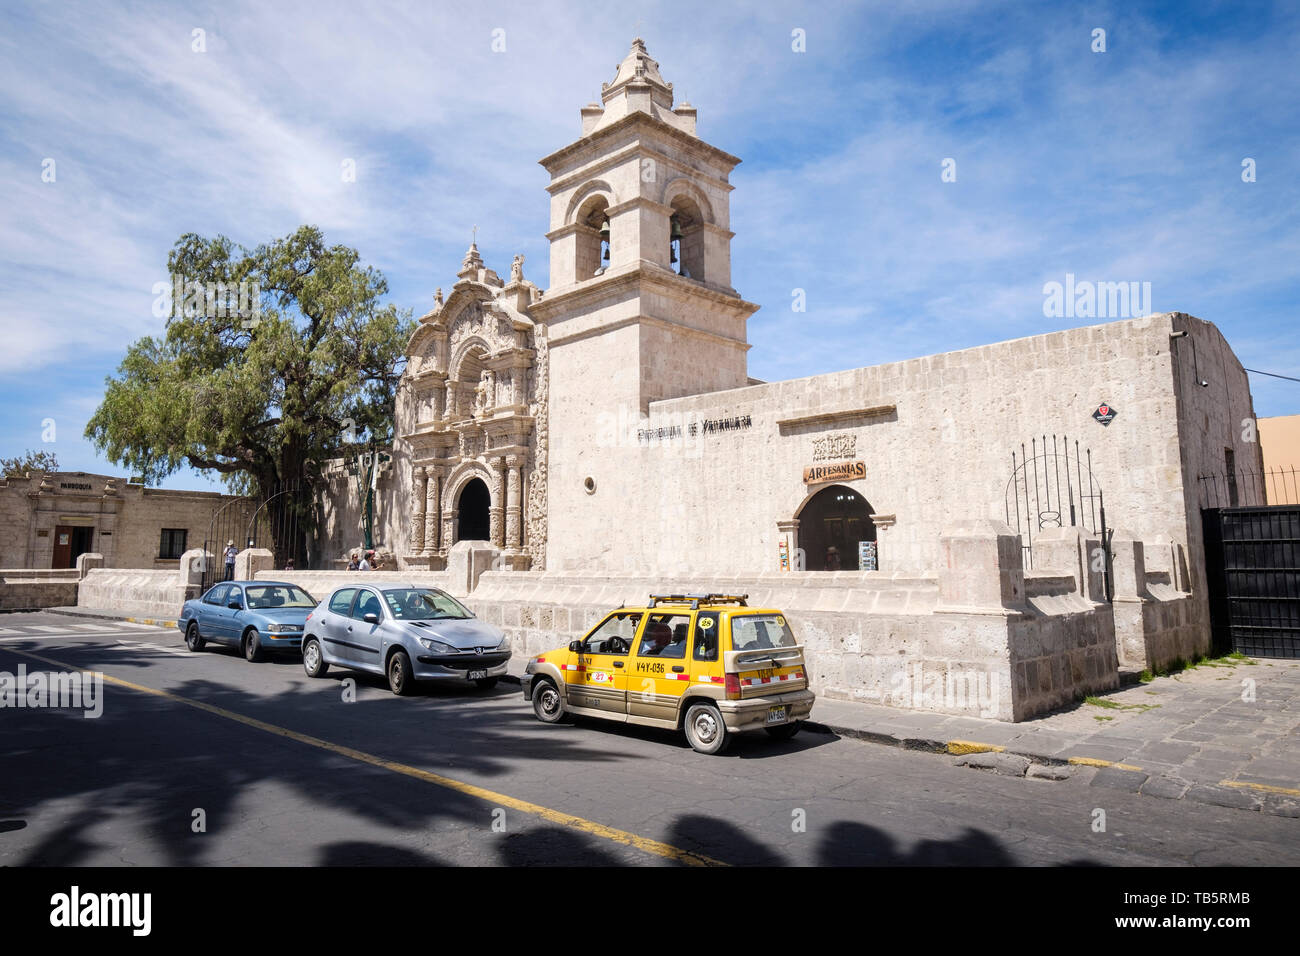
(1116, 705)
(1099, 702)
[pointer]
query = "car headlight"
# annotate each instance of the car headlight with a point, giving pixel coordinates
(284, 628)
(505, 643)
(438, 647)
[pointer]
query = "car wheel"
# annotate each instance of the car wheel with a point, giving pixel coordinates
(487, 683)
(400, 681)
(313, 661)
(253, 646)
(193, 640)
(705, 730)
(784, 731)
(547, 703)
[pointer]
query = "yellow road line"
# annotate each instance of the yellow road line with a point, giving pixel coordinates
(1266, 788)
(499, 799)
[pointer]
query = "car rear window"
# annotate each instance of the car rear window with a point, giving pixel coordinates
(755, 632)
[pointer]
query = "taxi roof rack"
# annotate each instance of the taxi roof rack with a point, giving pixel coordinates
(695, 600)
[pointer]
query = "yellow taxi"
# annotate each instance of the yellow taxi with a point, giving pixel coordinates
(705, 664)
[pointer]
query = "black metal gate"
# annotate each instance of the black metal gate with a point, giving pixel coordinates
(277, 521)
(1052, 485)
(1253, 572)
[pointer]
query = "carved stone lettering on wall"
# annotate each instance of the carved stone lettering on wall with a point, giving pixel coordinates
(844, 445)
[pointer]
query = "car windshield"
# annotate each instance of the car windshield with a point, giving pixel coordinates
(752, 632)
(267, 596)
(423, 604)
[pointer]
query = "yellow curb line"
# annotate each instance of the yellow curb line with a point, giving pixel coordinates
(1094, 762)
(1267, 788)
(962, 747)
(500, 799)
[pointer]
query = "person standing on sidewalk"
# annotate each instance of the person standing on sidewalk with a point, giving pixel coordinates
(231, 553)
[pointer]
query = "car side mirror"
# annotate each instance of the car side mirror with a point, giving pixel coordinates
(371, 618)
(575, 647)
(235, 606)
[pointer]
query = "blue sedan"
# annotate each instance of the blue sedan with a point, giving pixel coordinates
(255, 616)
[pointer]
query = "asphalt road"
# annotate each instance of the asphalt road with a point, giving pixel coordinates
(280, 769)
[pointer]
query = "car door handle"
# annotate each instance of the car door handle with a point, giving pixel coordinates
(349, 628)
(677, 669)
(618, 663)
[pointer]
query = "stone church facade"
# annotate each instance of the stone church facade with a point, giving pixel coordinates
(603, 437)
(472, 418)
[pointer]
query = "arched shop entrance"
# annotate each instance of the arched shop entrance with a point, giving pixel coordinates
(836, 517)
(473, 523)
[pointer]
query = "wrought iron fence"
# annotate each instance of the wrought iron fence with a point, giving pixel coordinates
(1053, 486)
(1250, 488)
(278, 520)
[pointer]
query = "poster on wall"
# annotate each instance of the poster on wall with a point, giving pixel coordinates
(867, 556)
(783, 550)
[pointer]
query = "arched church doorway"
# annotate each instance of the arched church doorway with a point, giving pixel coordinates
(836, 517)
(472, 523)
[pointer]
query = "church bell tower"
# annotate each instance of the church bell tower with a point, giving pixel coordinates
(640, 305)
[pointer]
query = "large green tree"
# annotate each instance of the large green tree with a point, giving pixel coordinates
(259, 388)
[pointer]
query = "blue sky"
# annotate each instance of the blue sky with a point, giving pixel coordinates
(1115, 166)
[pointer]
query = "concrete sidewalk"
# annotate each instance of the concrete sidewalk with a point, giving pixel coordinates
(1225, 733)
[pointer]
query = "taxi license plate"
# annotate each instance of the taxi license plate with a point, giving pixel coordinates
(776, 715)
(477, 675)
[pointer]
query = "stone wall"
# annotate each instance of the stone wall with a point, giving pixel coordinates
(15, 516)
(25, 589)
(155, 594)
(340, 506)
(979, 638)
(936, 435)
(1213, 419)
(320, 583)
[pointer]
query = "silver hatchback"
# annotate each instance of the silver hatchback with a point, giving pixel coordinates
(405, 633)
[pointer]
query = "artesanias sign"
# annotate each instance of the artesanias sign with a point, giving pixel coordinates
(841, 471)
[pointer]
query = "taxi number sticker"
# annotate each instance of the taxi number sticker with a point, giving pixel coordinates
(780, 621)
(766, 672)
(706, 623)
(601, 677)
(650, 668)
